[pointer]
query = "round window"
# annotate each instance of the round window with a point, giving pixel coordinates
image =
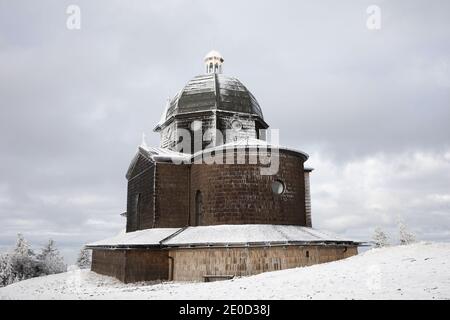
(236, 125)
(278, 187)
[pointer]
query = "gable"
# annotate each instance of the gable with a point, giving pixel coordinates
(139, 163)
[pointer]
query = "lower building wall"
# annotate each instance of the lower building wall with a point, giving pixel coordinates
(109, 263)
(194, 264)
(147, 265)
(132, 265)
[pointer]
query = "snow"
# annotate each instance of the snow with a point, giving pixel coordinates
(213, 54)
(221, 234)
(417, 271)
(239, 234)
(144, 237)
(249, 142)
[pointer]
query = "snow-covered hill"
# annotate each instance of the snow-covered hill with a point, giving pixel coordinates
(419, 271)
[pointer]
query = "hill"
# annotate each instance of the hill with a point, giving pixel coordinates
(418, 271)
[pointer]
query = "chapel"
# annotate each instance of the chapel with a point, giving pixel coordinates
(219, 197)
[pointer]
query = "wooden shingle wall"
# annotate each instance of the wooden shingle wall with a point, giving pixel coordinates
(193, 264)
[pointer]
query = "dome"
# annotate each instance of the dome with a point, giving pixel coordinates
(213, 92)
(214, 54)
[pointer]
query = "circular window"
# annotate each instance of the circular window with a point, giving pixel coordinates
(236, 125)
(278, 187)
(196, 125)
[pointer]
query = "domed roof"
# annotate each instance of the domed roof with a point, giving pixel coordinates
(213, 92)
(213, 54)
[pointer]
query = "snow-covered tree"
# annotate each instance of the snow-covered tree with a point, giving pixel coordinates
(406, 236)
(6, 274)
(84, 259)
(380, 238)
(51, 260)
(23, 261)
(22, 247)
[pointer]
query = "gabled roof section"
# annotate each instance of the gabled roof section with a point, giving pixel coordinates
(154, 155)
(147, 238)
(165, 155)
(141, 153)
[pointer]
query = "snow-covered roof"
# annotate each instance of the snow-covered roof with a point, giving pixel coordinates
(163, 115)
(157, 155)
(163, 154)
(250, 143)
(213, 54)
(250, 234)
(223, 235)
(150, 237)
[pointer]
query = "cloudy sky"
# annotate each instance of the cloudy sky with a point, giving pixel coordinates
(371, 107)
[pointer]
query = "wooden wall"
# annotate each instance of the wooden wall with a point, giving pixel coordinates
(193, 264)
(239, 194)
(163, 195)
(308, 200)
(132, 265)
(109, 263)
(146, 265)
(140, 196)
(171, 195)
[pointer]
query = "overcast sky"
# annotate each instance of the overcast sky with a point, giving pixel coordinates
(371, 107)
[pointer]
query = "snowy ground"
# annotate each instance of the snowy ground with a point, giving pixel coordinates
(419, 271)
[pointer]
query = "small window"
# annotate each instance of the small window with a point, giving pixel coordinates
(236, 125)
(307, 254)
(278, 187)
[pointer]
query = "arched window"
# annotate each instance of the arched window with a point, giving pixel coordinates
(198, 208)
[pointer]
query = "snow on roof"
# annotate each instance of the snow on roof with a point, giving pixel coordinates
(164, 114)
(247, 234)
(150, 237)
(221, 235)
(163, 154)
(249, 143)
(213, 54)
(157, 155)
